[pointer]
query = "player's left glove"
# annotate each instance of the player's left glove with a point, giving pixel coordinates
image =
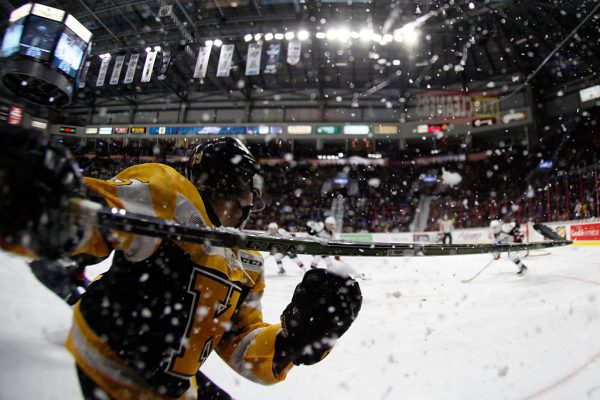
(323, 307)
(37, 179)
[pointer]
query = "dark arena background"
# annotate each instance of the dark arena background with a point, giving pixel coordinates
(390, 116)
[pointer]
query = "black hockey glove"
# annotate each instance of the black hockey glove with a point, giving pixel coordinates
(323, 307)
(37, 178)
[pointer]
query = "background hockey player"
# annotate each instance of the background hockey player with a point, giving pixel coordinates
(146, 326)
(508, 233)
(446, 228)
(274, 230)
(328, 233)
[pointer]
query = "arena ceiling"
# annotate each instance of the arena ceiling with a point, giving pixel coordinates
(460, 44)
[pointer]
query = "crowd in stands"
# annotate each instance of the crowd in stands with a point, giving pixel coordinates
(504, 182)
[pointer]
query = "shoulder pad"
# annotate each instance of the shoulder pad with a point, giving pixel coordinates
(251, 260)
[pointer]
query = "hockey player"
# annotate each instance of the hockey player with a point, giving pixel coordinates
(446, 228)
(147, 325)
(508, 233)
(326, 232)
(274, 230)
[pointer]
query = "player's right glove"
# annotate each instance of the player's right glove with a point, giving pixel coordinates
(323, 307)
(37, 179)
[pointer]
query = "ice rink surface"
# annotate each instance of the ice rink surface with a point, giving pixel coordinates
(421, 333)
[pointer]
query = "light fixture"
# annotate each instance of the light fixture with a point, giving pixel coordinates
(257, 36)
(248, 37)
(208, 43)
(408, 34)
(290, 35)
(148, 50)
(268, 36)
(365, 35)
(320, 35)
(218, 42)
(157, 48)
(303, 35)
(332, 34)
(343, 35)
(279, 36)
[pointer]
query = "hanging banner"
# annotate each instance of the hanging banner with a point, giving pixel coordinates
(225, 60)
(133, 60)
(102, 72)
(253, 59)
(293, 52)
(202, 62)
(164, 65)
(116, 73)
(272, 58)
(148, 66)
(84, 73)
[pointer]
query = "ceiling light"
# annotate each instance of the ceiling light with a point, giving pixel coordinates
(332, 34)
(268, 36)
(303, 35)
(218, 42)
(290, 35)
(279, 36)
(257, 36)
(321, 35)
(343, 35)
(408, 34)
(156, 48)
(366, 35)
(248, 37)
(208, 43)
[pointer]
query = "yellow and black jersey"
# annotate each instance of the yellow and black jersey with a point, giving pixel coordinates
(146, 326)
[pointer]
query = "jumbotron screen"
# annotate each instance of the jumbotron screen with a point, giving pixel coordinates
(12, 38)
(69, 52)
(39, 37)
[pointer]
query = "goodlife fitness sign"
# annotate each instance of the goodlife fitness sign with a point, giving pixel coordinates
(455, 106)
(585, 232)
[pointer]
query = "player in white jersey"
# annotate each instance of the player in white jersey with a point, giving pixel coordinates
(327, 232)
(446, 228)
(508, 233)
(274, 230)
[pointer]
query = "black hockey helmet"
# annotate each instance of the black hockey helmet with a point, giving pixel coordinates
(225, 166)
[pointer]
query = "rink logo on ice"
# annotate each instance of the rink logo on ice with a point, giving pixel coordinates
(585, 232)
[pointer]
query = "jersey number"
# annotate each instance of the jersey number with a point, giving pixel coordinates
(217, 298)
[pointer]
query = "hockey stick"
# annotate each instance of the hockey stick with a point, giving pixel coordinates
(480, 271)
(122, 220)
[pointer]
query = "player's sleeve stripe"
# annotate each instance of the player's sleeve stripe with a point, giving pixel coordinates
(186, 212)
(238, 361)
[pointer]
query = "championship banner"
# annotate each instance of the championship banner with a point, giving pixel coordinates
(456, 106)
(133, 60)
(116, 73)
(225, 60)
(84, 73)
(164, 65)
(293, 52)
(102, 72)
(253, 59)
(272, 58)
(148, 66)
(202, 62)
